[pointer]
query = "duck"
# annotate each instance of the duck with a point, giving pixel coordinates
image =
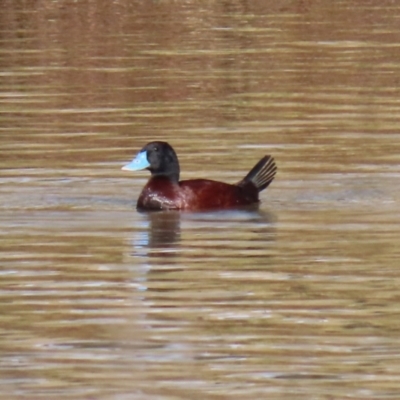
(164, 190)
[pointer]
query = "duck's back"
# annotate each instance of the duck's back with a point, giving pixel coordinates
(206, 194)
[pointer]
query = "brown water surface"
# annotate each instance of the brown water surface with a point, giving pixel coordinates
(298, 300)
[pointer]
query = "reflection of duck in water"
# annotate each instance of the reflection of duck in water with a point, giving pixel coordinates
(164, 191)
(164, 230)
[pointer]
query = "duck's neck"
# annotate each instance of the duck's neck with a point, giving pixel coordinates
(171, 172)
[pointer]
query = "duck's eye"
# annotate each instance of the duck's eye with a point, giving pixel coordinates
(155, 149)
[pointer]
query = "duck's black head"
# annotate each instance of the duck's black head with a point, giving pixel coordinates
(159, 158)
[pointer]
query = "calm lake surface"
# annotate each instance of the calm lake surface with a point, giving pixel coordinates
(297, 300)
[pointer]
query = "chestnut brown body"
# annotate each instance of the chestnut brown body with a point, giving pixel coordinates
(194, 195)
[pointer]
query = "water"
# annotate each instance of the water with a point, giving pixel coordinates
(298, 299)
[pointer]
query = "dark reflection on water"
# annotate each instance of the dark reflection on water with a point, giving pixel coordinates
(158, 242)
(164, 228)
(163, 231)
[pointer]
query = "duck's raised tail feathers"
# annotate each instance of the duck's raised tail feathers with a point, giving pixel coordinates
(262, 174)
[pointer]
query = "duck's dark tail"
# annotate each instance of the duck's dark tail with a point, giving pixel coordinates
(261, 175)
